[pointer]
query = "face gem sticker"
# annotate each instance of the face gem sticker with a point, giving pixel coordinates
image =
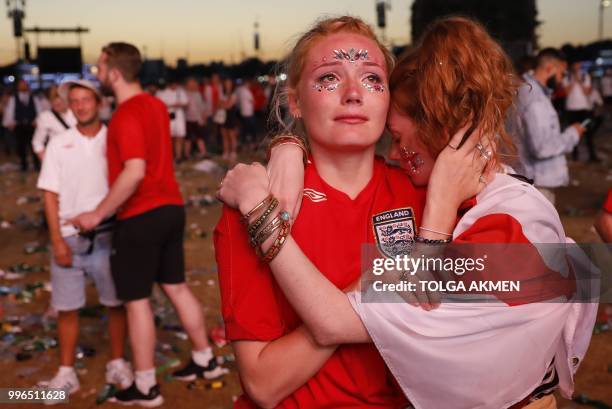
(352, 55)
(320, 87)
(413, 158)
(374, 87)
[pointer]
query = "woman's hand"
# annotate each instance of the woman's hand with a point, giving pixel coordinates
(62, 253)
(286, 173)
(458, 174)
(244, 187)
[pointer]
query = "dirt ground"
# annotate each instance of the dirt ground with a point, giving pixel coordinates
(577, 205)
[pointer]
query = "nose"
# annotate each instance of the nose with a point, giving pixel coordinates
(353, 93)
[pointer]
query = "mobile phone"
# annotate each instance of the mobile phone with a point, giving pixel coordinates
(586, 122)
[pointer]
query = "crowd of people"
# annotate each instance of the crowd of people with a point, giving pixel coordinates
(208, 117)
(215, 116)
(289, 269)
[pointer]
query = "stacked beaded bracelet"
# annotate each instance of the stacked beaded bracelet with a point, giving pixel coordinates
(246, 217)
(266, 232)
(253, 227)
(288, 139)
(423, 240)
(260, 232)
(280, 240)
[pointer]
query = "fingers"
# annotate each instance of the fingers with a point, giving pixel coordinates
(432, 297)
(455, 140)
(409, 297)
(472, 140)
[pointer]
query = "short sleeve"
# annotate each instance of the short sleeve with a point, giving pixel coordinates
(50, 172)
(130, 137)
(249, 294)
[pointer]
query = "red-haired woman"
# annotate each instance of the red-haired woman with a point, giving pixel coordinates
(510, 353)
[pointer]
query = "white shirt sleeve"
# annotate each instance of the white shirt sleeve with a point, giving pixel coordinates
(49, 178)
(41, 132)
(8, 118)
(543, 137)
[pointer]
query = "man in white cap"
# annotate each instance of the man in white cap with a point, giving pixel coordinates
(74, 178)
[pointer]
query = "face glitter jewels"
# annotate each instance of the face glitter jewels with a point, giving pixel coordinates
(374, 87)
(320, 87)
(352, 55)
(413, 158)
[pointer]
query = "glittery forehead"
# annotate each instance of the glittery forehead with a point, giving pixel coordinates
(351, 55)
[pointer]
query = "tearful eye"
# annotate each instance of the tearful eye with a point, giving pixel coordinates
(327, 78)
(373, 78)
(373, 83)
(328, 82)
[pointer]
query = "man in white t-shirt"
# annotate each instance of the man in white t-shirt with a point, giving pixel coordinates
(578, 107)
(74, 180)
(176, 100)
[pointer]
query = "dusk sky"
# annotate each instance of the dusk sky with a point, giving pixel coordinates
(205, 30)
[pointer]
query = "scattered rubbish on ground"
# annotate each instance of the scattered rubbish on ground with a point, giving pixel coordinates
(34, 247)
(201, 200)
(208, 166)
(601, 327)
(9, 167)
(217, 335)
(205, 385)
(21, 200)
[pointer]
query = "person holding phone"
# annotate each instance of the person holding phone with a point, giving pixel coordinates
(541, 143)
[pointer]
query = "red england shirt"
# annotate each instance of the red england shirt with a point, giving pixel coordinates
(330, 230)
(140, 128)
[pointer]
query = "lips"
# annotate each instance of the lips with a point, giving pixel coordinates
(351, 119)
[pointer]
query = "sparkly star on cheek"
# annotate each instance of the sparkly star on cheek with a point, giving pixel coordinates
(374, 87)
(318, 86)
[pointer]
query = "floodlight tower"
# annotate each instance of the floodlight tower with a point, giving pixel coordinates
(16, 12)
(603, 4)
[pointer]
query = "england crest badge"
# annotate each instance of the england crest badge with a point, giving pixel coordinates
(394, 231)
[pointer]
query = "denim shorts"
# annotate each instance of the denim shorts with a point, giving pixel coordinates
(90, 258)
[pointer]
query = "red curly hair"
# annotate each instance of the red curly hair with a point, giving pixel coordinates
(456, 75)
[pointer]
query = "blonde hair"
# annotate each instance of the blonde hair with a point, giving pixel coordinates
(280, 120)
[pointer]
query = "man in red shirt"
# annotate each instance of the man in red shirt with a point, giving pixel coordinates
(148, 237)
